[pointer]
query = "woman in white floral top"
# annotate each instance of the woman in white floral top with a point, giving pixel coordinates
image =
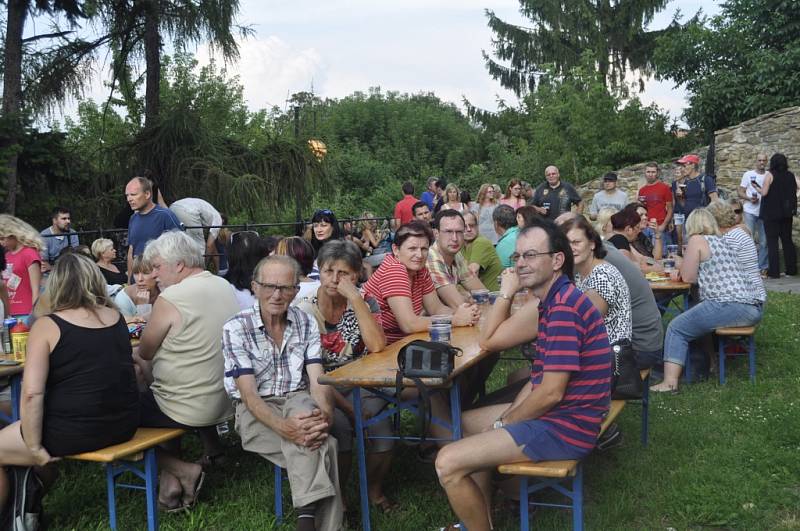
(349, 329)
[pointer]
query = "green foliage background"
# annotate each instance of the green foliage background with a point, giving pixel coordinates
(252, 164)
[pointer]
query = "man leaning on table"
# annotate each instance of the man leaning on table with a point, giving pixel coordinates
(272, 362)
(558, 414)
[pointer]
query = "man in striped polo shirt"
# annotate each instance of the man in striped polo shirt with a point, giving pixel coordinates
(557, 415)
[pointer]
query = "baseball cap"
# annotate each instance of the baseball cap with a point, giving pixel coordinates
(689, 159)
(610, 176)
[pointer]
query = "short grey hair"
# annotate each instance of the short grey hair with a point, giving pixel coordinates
(343, 250)
(278, 259)
(175, 247)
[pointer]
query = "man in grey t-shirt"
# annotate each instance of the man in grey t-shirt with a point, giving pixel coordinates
(609, 197)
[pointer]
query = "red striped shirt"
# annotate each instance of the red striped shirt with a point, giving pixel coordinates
(392, 280)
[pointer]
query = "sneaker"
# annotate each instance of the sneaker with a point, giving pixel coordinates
(611, 438)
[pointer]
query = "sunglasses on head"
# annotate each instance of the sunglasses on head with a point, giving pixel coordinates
(238, 235)
(325, 212)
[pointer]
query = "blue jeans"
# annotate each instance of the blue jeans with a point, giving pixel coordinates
(702, 319)
(756, 227)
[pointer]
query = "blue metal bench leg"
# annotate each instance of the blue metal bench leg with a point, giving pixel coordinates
(721, 360)
(16, 392)
(278, 493)
(151, 485)
(577, 499)
(752, 349)
(524, 517)
(112, 498)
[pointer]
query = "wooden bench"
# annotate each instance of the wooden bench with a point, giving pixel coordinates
(723, 334)
(137, 456)
(565, 477)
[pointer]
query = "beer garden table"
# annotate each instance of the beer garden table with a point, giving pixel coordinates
(379, 370)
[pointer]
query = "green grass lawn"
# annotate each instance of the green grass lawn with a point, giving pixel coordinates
(719, 457)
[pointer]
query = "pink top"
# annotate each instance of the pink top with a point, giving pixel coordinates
(513, 203)
(19, 284)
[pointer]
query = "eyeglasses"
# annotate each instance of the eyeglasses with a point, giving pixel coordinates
(527, 256)
(269, 289)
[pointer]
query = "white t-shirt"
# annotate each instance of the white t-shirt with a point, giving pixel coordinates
(602, 200)
(752, 208)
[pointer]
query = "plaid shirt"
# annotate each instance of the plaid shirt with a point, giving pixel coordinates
(248, 349)
(442, 275)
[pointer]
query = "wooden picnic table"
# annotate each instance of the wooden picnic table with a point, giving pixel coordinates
(14, 372)
(669, 286)
(379, 370)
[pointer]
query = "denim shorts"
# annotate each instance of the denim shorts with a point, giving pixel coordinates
(540, 442)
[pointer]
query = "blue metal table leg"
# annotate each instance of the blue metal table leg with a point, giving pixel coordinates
(278, 493)
(721, 350)
(151, 488)
(362, 461)
(752, 356)
(112, 498)
(16, 391)
(646, 410)
(455, 408)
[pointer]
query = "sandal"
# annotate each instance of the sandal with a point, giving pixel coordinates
(385, 505)
(188, 503)
(666, 389)
(170, 508)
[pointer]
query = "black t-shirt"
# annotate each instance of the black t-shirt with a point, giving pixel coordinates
(559, 199)
(620, 242)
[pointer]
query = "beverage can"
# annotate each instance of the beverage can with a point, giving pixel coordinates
(19, 340)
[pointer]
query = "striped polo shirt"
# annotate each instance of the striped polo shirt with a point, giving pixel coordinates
(392, 280)
(572, 338)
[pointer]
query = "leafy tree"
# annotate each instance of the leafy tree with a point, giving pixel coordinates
(561, 32)
(14, 50)
(737, 65)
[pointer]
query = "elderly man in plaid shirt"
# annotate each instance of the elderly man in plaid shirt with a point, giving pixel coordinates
(272, 361)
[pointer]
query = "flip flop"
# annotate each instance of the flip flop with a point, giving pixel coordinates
(197, 486)
(171, 509)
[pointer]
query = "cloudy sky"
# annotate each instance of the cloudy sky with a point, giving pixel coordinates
(341, 46)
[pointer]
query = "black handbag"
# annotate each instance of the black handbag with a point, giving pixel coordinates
(626, 382)
(423, 359)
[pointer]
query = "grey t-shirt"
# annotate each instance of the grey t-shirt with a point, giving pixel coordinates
(648, 334)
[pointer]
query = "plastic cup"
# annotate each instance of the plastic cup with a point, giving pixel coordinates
(672, 251)
(668, 264)
(480, 296)
(441, 319)
(493, 296)
(440, 332)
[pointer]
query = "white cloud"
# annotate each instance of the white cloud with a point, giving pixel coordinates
(270, 69)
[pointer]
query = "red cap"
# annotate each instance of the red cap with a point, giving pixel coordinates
(689, 159)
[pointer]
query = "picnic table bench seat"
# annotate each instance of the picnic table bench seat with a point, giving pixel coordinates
(724, 334)
(138, 456)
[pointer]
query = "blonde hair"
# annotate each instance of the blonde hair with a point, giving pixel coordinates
(140, 265)
(603, 218)
(101, 245)
(482, 194)
(447, 189)
(76, 282)
(367, 223)
(723, 213)
(700, 221)
(25, 234)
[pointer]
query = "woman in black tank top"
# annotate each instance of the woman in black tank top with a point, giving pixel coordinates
(78, 372)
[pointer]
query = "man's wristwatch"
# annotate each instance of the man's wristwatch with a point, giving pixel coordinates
(498, 424)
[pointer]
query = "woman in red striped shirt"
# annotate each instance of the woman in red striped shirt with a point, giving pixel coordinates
(403, 287)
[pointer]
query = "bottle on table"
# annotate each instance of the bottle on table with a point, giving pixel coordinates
(19, 340)
(6, 335)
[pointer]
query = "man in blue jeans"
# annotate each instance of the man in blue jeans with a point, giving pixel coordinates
(751, 204)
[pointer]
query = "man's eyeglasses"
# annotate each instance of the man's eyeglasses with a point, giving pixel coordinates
(527, 256)
(269, 289)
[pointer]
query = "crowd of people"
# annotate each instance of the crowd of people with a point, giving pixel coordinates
(250, 342)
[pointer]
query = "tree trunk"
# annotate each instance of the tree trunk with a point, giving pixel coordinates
(152, 54)
(12, 95)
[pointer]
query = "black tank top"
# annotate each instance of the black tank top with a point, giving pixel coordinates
(91, 397)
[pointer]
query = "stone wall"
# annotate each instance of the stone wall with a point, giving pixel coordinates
(736, 150)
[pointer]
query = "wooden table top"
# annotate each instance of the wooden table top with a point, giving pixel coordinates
(10, 370)
(670, 285)
(379, 369)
